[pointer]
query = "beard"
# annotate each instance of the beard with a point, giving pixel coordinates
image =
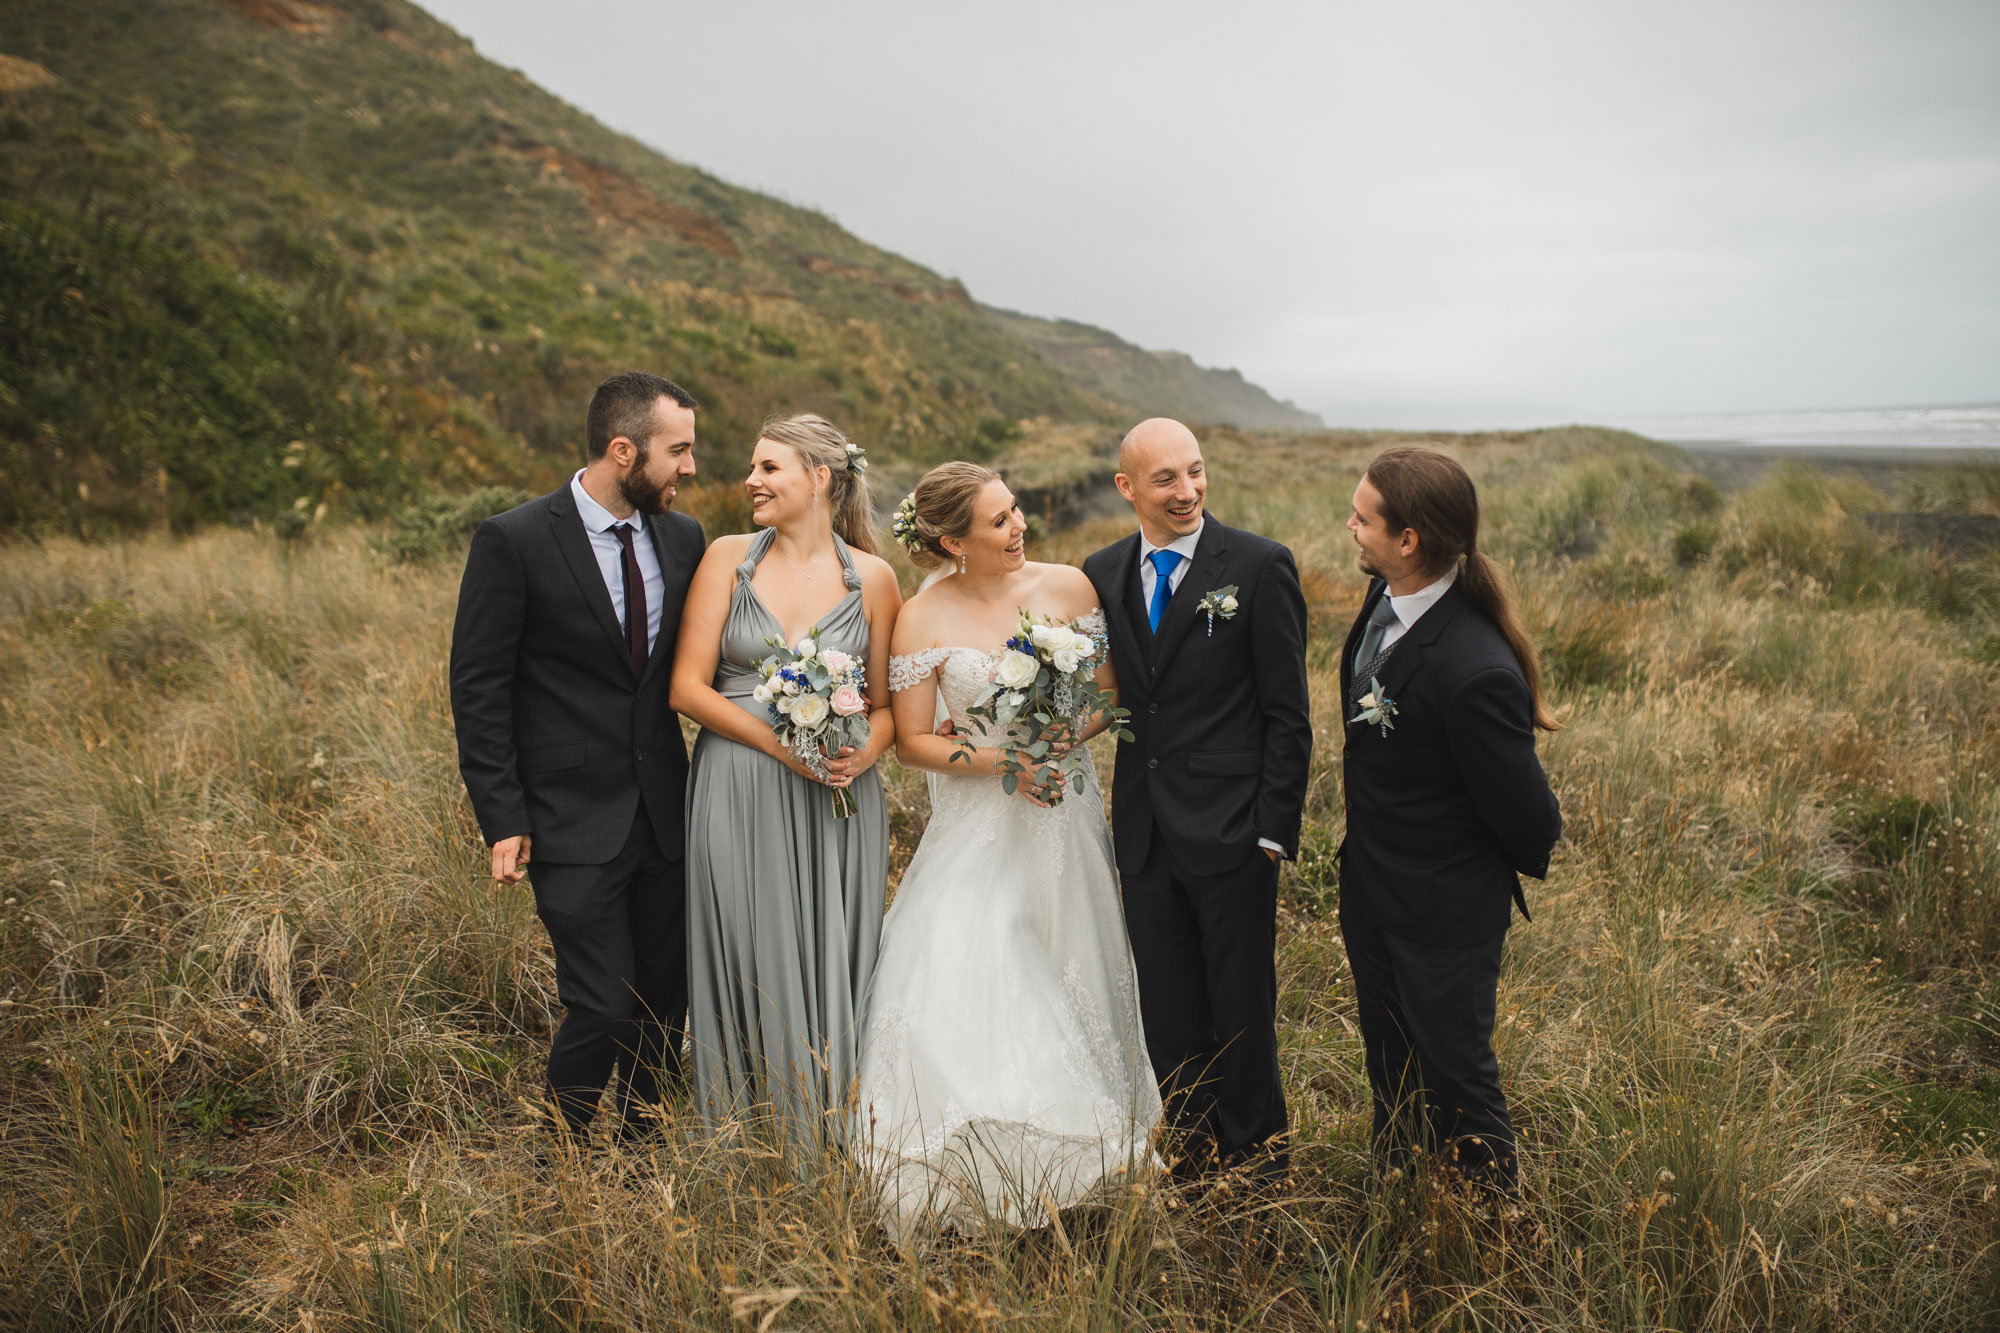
(644, 494)
(1367, 565)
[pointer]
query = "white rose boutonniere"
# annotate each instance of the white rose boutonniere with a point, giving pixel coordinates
(1377, 708)
(1219, 602)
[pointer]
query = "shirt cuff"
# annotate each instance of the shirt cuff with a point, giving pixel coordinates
(1268, 845)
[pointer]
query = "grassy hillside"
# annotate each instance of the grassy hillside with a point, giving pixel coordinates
(267, 1036)
(1169, 383)
(264, 255)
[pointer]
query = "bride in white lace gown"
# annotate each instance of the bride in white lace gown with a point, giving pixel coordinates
(1003, 1073)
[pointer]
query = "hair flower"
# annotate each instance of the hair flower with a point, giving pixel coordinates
(904, 525)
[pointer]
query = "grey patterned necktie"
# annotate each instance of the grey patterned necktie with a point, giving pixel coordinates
(1379, 620)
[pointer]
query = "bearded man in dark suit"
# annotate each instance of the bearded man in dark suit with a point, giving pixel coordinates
(1447, 806)
(560, 660)
(1208, 629)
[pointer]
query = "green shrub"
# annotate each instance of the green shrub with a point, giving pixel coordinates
(1694, 542)
(440, 527)
(1586, 645)
(1701, 496)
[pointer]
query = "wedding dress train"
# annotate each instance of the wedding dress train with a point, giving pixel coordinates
(1003, 1072)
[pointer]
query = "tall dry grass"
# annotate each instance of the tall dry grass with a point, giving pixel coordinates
(271, 1040)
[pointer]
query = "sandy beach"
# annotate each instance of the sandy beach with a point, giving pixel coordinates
(1731, 465)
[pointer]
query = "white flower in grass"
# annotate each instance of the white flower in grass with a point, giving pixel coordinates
(805, 647)
(762, 694)
(809, 710)
(1049, 637)
(1066, 659)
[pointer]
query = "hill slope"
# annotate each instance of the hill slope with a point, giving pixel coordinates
(1166, 383)
(271, 254)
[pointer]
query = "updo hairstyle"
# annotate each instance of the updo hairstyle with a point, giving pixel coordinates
(820, 444)
(941, 507)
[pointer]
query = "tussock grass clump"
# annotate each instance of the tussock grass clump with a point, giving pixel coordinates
(271, 1043)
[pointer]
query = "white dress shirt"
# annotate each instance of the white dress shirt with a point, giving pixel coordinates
(1149, 576)
(610, 553)
(1410, 607)
(1180, 546)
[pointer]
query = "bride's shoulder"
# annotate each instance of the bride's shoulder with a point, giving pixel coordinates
(1065, 590)
(918, 623)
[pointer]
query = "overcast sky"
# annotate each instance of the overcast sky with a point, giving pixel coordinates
(1426, 214)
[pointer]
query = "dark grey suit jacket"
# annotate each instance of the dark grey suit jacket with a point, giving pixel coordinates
(1221, 722)
(556, 736)
(1450, 807)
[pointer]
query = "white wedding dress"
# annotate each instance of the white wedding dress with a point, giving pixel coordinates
(1003, 1073)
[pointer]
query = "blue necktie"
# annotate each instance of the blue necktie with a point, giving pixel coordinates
(1164, 564)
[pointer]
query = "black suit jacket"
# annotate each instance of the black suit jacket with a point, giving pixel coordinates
(556, 736)
(1222, 722)
(1451, 806)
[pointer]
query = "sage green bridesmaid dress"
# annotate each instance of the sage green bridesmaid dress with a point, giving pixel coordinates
(784, 902)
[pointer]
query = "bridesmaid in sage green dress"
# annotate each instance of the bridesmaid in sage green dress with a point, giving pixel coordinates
(784, 899)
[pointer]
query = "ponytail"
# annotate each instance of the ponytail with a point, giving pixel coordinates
(853, 519)
(1487, 587)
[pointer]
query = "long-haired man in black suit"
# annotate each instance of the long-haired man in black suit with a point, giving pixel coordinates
(560, 659)
(1208, 634)
(1447, 806)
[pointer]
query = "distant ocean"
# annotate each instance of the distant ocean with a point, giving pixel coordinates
(1966, 426)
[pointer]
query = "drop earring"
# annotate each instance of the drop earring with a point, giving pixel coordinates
(961, 562)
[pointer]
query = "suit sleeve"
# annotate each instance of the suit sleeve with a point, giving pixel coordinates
(485, 646)
(1278, 648)
(1490, 728)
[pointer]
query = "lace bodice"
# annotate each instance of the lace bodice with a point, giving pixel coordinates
(964, 674)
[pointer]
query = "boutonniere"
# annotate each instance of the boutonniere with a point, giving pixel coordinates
(1377, 708)
(1219, 602)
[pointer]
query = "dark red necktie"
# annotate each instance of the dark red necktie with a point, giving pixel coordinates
(635, 601)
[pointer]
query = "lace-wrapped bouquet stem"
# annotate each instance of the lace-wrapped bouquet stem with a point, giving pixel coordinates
(1044, 693)
(818, 703)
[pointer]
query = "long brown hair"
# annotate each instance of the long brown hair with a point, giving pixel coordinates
(820, 444)
(1427, 490)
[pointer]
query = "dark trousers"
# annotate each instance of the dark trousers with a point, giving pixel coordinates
(1426, 1015)
(1205, 949)
(620, 936)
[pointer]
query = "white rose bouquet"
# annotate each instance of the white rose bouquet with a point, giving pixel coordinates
(817, 704)
(1044, 691)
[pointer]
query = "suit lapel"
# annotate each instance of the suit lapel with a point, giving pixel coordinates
(1204, 571)
(574, 543)
(668, 580)
(1135, 598)
(1376, 588)
(1408, 656)
(1128, 636)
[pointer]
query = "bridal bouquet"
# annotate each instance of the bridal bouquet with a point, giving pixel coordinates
(817, 705)
(1044, 691)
